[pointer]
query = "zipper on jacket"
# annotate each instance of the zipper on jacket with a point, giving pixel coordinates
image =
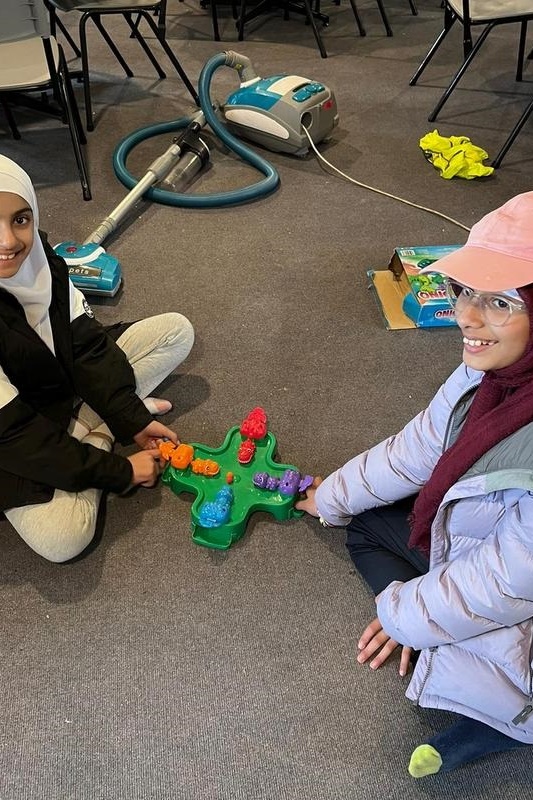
(528, 708)
(432, 651)
(524, 714)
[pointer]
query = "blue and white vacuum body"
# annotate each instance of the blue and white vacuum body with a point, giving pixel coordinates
(275, 111)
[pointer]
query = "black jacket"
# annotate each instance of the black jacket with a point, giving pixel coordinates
(37, 455)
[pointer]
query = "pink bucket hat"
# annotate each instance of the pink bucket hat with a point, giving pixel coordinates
(498, 254)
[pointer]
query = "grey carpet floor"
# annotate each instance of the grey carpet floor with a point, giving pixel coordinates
(154, 668)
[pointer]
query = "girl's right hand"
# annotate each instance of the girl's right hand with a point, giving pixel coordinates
(377, 645)
(309, 504)
(146, 467)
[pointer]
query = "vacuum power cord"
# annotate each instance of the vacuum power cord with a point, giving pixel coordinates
(381, 191)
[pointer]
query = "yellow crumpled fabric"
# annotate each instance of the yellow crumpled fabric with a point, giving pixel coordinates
(455, 156)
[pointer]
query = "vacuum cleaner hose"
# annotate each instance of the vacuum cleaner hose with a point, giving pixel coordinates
(244, 195)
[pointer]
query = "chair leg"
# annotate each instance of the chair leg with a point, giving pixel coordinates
(74, 124)
(71, 97)
(112, 46)
(161, 15)
(414, 9)
(74, 47)
(136, 23)
(207, 5)
(512, 136)
(449, 19)
(10, 119)
(214, 19)
(85, 60)
(384, 17)
(521, 50)
(316, 34)
(461, 71)
(241, 20)
(85, 72)
(135, 33)
(174, 61)
(358, 22)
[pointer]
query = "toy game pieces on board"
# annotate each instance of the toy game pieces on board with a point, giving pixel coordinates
(232, 481)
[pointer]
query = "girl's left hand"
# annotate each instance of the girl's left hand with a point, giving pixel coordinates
(149, 437)
(378, 645)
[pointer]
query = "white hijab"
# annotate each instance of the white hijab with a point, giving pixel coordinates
(32, 284)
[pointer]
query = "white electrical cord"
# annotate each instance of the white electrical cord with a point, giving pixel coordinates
(380, 191)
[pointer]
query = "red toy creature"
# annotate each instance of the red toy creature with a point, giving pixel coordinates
(246, 451)
(255, 424)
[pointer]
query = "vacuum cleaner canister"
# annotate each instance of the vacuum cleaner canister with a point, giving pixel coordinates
(275, 111)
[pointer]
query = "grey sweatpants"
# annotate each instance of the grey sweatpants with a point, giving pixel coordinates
(62, 528)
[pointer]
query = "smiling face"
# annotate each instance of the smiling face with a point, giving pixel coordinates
(16, 233)
(490, 347)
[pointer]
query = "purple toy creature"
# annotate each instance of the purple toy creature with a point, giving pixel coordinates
(290, 483)
(265, 481)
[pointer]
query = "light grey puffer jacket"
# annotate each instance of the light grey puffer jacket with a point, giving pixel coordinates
(471, 614)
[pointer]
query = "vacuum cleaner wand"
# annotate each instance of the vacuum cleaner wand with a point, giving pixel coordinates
(156, 172)
(90, 267)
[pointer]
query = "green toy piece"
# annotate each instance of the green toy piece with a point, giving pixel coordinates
(247, 497)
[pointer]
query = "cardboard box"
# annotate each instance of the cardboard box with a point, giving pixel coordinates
(408, 299)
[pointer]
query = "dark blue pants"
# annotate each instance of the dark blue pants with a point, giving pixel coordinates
(469, 740)
(377, 543)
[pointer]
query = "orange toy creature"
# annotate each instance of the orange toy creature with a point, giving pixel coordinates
(205, 466)
(180, 456)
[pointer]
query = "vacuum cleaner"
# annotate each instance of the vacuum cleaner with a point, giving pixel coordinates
(281, 113)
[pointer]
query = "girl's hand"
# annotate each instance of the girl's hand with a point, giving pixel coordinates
(146, 467)
(147, 439)
(308, 503)
(376, 644)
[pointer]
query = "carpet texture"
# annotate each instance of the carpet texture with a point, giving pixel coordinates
(154, 668)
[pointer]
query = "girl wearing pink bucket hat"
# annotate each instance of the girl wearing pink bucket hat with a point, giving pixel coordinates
(440, 517)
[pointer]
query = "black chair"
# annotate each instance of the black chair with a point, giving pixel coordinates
(133, 11)
(472, 13)
(33, 66)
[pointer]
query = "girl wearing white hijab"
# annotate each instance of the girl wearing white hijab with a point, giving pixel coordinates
(55, 356)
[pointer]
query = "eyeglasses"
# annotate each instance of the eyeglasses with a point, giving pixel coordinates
(495, 308)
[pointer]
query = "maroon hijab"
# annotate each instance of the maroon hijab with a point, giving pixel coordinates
(503, 404)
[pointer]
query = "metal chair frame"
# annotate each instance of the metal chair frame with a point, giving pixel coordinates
(132, 13)
(59, 83)
(470, 48)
